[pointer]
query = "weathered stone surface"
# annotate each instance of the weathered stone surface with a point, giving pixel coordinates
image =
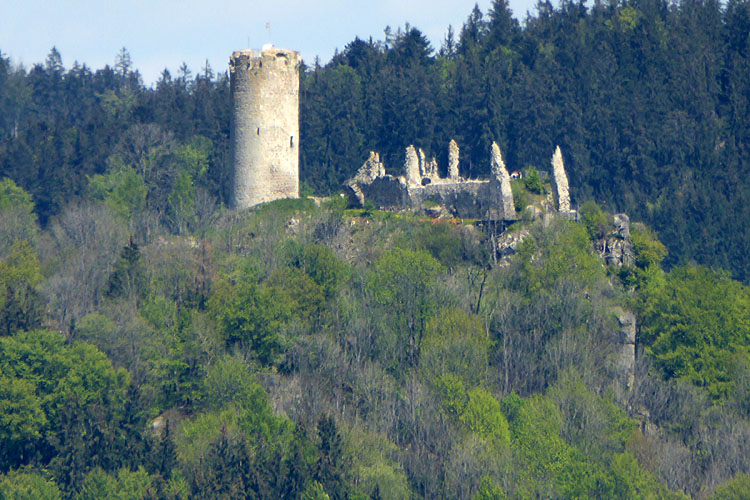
(615, 248)
(506, 245)
(626, 358)
(411, 166)
(453, 158)
(422, 163)
(265, 125)
(622, 225)
(367, 173)
(422, 187)
(431, 169)
(560, 181)
(501, 176)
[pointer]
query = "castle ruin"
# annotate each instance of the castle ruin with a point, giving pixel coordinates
(421, 187)
(265, 125)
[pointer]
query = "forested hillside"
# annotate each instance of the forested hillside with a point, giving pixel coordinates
(295, 351)
(156, 345)
(648, 100)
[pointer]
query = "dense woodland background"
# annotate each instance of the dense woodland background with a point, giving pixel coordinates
(648, 99)
(154, 344)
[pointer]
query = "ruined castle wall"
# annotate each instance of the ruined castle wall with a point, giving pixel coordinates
(265, 125)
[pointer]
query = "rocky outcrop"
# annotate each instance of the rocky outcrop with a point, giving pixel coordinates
(501, 176)
(453, 154)
(560, 181)
(615, 247)
(507, 244)
(625, 364)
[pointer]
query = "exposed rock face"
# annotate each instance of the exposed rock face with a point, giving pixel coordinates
(560, 181)
(506, 245)
(411, 165)
(453, 154)
(615, 248)
(626, 358)
(501, 176)
(622, 225)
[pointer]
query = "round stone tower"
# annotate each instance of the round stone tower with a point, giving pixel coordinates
(265, 125)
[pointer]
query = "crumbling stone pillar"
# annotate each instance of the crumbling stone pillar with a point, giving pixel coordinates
(560, 180)
(500, 175)
(411, 166)
(453, 153)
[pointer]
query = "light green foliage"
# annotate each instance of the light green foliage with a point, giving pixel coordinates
(17, 218)
(561, 252)
(374, 466)
(452, 393)
(12, 196)
(304, 297)
(18, 485)
(194, 156)
(315, 491)
(489, 490)
(229, 383)
(22, 417)
(234, 405)
(196, 436)
(596, 425)
(548, 465)
(738, 488)
(629, 480)
(121, 189)
(649, 251)
(41, 376)
(455, 342)
(484, 417)
(696, 323)
(594, 219)
(520, 194)
(250, 314)
(402, 282)
(127, 485)
(181, 201)
(443, 241)
(20, 306)
(532, 181)
(322, 266)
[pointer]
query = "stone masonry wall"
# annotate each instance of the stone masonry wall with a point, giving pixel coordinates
(265, 125)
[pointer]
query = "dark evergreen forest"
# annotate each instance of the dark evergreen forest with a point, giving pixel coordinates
(649, 100)
(156, 345)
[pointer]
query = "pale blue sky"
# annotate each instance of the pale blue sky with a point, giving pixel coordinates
(163, 33)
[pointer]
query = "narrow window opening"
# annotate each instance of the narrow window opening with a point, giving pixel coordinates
(291, 141)
(258, 131)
